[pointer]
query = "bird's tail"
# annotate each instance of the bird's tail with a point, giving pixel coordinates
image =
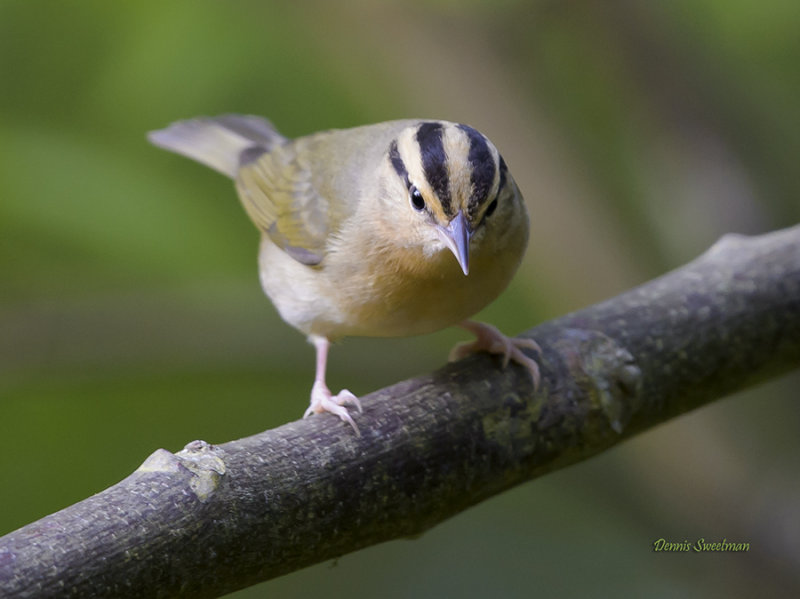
(223, 142)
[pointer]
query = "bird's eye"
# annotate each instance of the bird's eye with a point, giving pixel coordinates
(492, 207)
(417, 201)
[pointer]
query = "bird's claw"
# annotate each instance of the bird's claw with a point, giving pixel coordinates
(322, 400)
(491, 340)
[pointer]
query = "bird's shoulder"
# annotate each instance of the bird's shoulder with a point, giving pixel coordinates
(302, 191)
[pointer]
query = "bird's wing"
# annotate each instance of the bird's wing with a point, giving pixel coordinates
(280, 197)
(298, 192)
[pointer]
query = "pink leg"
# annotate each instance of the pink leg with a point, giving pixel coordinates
(322, 400)
(489, 339)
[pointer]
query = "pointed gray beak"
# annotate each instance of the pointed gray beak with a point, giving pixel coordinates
(456, 237)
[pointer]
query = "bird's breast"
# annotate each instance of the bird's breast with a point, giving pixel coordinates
(384, 292)
(401, 295)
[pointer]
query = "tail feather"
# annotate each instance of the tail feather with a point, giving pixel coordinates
(219, 142)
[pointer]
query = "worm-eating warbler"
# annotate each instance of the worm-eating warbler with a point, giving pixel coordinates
(359, 228)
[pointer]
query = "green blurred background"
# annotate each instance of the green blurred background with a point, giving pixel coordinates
(130, 312)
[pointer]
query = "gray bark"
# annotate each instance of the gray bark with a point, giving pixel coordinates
(212, 519)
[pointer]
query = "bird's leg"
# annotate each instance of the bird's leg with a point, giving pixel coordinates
(491, 340)
(322, 400)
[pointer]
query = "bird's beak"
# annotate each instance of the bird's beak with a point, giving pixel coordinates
(456, 237)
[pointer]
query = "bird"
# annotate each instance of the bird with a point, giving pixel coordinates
(393, 229)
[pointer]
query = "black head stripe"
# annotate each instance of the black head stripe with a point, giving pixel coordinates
(503, 175)
(483, 168)
(503, 171)
(434, 162)
(398, 164)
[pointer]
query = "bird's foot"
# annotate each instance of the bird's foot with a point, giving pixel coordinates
(322, 400)
(490, 339)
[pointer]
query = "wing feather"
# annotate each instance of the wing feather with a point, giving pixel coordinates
(279, 196)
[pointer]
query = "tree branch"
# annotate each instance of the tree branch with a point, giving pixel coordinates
(212, 519)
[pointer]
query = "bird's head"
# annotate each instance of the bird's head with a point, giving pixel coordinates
(446, 186)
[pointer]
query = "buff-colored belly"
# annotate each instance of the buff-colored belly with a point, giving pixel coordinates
(350, 299)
